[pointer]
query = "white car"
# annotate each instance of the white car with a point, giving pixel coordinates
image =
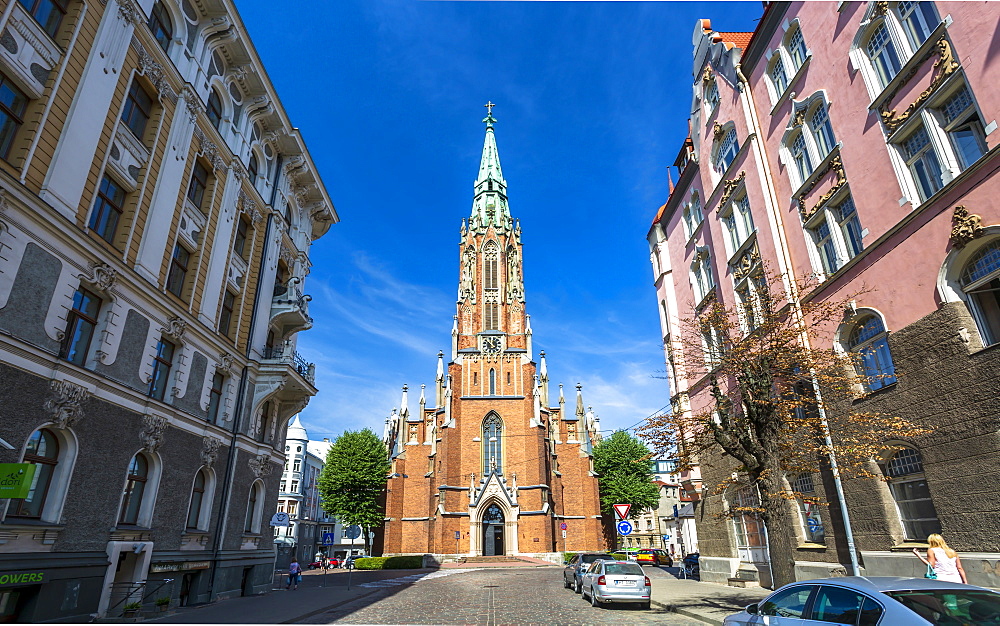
(873, 601)
(616, 582)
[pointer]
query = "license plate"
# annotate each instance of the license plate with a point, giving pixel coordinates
(625, 583)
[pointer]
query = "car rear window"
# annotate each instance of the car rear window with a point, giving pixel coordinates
(590, 558)
(623, 568)
(958, 606)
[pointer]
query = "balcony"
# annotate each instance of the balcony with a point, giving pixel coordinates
(290, 309)
(288, 357)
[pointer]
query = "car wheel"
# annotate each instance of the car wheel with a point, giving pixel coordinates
(593, 598)
(579, 586)
(566, 584)
(646, 605)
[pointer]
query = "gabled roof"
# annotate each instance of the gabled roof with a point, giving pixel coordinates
(735, 40)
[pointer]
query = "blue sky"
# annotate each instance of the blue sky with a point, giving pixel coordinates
(592, 102)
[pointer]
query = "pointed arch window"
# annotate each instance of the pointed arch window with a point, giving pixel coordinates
(492, 445)
(491, 283)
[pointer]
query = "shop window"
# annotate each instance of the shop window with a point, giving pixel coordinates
(42, 451)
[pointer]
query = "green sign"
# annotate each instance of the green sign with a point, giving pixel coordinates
(15, 479)
(21, 578)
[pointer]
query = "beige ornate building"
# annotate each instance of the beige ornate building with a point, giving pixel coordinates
(157, 209)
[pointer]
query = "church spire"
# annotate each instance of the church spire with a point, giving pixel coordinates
(489, 207)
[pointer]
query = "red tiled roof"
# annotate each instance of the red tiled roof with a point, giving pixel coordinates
(739, 40)
(659, 213)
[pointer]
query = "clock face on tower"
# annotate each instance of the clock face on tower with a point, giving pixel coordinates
(492, 345)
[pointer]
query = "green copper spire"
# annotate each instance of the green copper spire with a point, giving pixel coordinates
(489, 206)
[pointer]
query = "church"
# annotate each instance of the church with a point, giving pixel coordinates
(489, 466)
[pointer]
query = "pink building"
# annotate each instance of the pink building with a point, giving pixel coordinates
(856, 142)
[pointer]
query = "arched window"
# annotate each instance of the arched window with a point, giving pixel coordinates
(252, 169)
(692, 215)
(711, 96)
(779, 78)
(728, 149)
(255, 503)
(980, 280)
(493, 382)
(214, 109)
(215, 396)
(905, 471)
(822, 130)
(797, 48)
(882, 53)
(135, 489)
(800, 157)
(197, 500)
(43, 451)
(702, 281)
(869, 340)
(492, 445)
(491, 283)
(161, 26)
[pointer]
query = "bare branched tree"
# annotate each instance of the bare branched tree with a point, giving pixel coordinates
(761, 379)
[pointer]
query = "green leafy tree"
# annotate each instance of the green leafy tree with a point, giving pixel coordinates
(622, 463)
(353, 480)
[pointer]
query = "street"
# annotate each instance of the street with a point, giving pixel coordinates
(487, 597)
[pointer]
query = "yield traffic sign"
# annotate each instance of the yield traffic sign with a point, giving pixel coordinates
(622, 510)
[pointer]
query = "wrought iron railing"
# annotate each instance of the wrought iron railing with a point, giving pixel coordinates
(286, 354)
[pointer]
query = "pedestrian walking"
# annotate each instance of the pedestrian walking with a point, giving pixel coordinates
(294, 575)
(942, 561)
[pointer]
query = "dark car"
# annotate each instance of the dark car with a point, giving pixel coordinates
(691, 568)
(573, 572)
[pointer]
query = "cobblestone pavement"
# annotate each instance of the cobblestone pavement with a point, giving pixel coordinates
(490, 597)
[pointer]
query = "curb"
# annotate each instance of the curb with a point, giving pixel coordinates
(670, 608)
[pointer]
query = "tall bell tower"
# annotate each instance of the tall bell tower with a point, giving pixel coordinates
(491, 469)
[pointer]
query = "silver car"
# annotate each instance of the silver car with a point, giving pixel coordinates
(616, 581)
(871, 601)
(573, 572)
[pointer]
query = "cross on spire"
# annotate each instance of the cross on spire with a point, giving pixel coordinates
(489, 120)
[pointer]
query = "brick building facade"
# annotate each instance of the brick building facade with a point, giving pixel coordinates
(490, 466)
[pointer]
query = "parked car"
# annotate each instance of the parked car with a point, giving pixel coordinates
(573, 572)
(630, 555)
(316, 564)
(334, 562)
(653, 556)
(616, 581)
(691, 567)
(874, 600)
(349, 561)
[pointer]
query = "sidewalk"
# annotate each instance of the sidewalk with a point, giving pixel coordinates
(281, 606)
(707, 602)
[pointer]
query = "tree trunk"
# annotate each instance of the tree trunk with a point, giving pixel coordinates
(780, 526)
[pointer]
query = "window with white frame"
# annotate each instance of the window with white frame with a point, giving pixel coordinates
(980, 281)
(711, 96)
(727, 151)
(868, 340)
(738, 222)
(797, 48)
(751, 291)
(701, 275)
(882, 53)
(964, 126)
(711, 344)
(138, 493)
(200, 507)
(908, 486)
(835, 230)
(822, 130)
(800, 157)
(692, 216)
(255, 507)
(918, 20)
(779, 79)
(43, 452)
(923, 162)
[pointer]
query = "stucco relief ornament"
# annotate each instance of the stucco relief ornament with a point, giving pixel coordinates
(210, 450)
(717, 131)
(946, 65)
(728, 187)
(706, 76)
(881, 8)
(225, 362)
(175, 328)
(102, 276)
(192, 103)
(799, 117)
(153, 432)
(247, 205)
(261, 465)
(130, 12)
(65, 404)
(965, 226)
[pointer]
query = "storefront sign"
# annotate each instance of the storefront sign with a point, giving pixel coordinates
(21, 578)
(197, 565)
(15, 479)
(159, 568)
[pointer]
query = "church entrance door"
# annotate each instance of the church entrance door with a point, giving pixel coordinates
(493, 522)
